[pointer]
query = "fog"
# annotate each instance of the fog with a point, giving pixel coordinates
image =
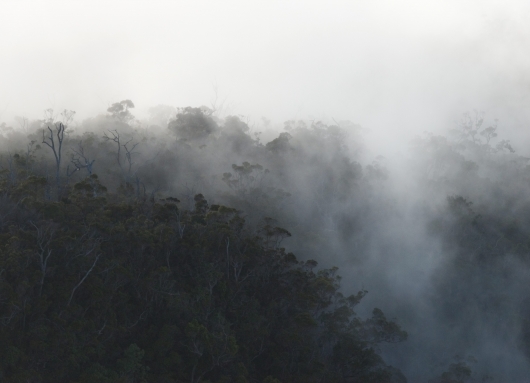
(395, 70)
(394, 67)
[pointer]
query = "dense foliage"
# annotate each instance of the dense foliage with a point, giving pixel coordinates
(102, 285)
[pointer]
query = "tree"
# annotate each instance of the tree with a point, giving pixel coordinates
(193, 124)
(80, 159)
(119, 111)
(54, 141)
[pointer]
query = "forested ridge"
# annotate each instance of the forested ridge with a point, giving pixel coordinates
(98, 287)
(126, 285)
(185, 249)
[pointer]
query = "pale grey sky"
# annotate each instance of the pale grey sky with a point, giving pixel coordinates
(392, 66)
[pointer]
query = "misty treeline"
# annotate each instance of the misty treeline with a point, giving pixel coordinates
(183, 248)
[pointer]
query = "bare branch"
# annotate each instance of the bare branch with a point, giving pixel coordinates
(86, 253)
(56, 147)
(80, 160)
(115, 138)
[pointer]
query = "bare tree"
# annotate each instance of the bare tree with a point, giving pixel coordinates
(128, 154)
(80, 160)
(115, 138)
(54, 141)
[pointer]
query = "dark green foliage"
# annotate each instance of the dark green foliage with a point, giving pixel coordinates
(103, 287)
(192, 124)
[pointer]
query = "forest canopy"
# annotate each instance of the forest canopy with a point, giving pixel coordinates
(109, 278)
(182, 248)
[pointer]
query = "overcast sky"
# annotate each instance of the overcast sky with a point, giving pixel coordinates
(395, 67)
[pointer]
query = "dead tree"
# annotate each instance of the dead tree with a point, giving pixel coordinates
(115, 138)
(128, 147)
(80, 160)
(55, 146)
(128, 154)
